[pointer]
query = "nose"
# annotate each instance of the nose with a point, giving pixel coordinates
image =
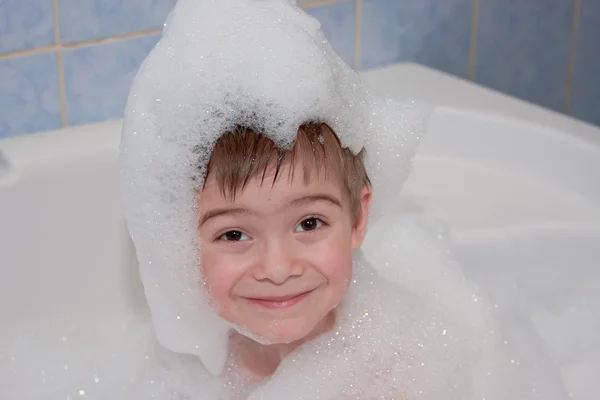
(277, 264)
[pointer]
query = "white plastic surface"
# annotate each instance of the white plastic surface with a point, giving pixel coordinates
(517, 185)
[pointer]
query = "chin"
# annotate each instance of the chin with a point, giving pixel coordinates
(293, 334)
(282, 331)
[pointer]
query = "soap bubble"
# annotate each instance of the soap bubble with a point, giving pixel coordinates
(265, 65)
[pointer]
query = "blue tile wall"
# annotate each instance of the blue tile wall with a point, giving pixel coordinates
(29, 94)
(82, 20)
(98, 78)
(585, 103)
(417, 30)
(25, 24)
(523, 49)
(337, 22)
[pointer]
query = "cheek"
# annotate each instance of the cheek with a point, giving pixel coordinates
(334, 260)
(219, 273)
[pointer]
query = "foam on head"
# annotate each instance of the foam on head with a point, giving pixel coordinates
(262, 64)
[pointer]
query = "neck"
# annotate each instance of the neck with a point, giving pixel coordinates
(260, 360)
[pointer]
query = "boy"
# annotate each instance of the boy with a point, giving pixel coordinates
(277, 230)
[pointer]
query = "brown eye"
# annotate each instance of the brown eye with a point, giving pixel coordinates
(234, 236)
(309, 224)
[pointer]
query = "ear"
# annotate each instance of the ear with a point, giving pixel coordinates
(360, 225)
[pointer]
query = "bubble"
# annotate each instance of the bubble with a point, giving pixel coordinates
(265, 65)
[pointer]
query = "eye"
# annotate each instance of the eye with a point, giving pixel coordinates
(309, 224)
(234, 236)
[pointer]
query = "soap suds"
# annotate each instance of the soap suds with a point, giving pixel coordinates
(265, 65)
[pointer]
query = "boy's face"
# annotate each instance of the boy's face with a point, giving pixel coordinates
(277, 259)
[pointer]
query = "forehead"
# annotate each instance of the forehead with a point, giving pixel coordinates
(274, 186)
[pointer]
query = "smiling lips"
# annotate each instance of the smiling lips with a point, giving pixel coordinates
(279, 302)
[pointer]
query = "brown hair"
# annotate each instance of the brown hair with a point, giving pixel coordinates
(244, 154)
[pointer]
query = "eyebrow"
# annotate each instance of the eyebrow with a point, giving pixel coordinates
(314, 198)
(302, 201)
(217, 212)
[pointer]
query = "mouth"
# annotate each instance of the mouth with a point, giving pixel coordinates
(279, 302)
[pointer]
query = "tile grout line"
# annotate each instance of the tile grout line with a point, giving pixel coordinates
(28, 52)
(571, 59)
(61, 70)
(77, 45)
(358, 34)
(473, 42)
(96, 42)
(318, 3)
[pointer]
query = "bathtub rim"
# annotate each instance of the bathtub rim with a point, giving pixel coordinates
(445, 92)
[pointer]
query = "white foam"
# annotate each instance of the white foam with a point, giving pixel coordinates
(262, 64)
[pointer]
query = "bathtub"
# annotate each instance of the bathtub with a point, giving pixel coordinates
(517, 186)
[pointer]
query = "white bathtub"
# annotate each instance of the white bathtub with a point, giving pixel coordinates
(517, 185)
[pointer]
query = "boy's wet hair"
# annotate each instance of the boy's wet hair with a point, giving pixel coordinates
(243, 154)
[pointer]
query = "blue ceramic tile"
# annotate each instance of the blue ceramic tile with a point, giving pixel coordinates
(422, 31)
(98, 78)
(82, 20)
(337, 22)
(29, 96)
(25, 24)
(523, 48)
(585, 103)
